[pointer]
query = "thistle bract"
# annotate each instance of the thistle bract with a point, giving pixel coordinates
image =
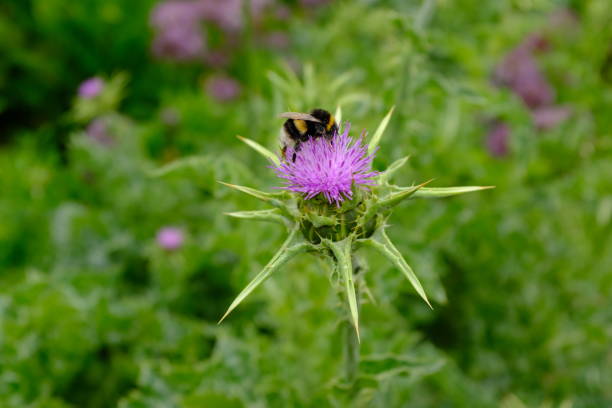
(333, 203)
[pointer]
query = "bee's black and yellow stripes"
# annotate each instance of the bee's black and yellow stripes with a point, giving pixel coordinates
(300, 130)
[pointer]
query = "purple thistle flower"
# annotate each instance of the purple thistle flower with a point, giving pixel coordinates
(175, 13)
(90, 88)
(519, 71)
(222, 88)
(228, 14)
(277, 40)
(177, 32)
(179, 43)
(313, 3)
(330, 168)
(548, 117)
(497, 139)
(98, 131)
(170, 238)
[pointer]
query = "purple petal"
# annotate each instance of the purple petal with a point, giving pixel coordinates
(329, 168)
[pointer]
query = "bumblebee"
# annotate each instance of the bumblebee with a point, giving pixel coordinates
(299, 127)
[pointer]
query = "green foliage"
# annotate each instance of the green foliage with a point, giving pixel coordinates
(94, 313)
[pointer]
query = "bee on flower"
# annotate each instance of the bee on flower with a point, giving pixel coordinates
(332, 201)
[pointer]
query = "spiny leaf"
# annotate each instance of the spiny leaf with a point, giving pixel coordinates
(439, 192)
(272, 215)
(342, 252)
(381, 242)
(261, 150)
(395, 198)
(267, 197)
(379, 131)
(389, 201)
(395, 166)
(290, 248)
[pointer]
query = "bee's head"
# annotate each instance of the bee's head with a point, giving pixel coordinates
(327, 120)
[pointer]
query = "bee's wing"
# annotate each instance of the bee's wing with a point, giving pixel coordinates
(298, 115)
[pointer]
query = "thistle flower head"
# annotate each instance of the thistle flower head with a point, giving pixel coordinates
(90, 88)
(170, 238)
(328, 167)
(335, 170)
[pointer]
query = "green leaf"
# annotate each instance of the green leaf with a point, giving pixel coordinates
(273, 215)
(280, 82)
(424, 14)
(261, 150)
(271, 198)
(193, 162)
(341, 80)
(338, 116)
(439, 192)
(353, 97)
(310, 85)
(342, 252)
(384, 366)
(395, 166)
(379, 132)
(381, 242)
(290, 248)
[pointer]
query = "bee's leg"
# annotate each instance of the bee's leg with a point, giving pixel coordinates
(296, 149)
(284, 152)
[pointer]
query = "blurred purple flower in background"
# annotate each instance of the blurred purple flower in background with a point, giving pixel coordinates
(277, 40)
(226, 14)
(179, 43)
(90, 88)
(313, 3)
(282, 12)
(563, 18)
(217, 58)
(98, 131)
(548, 117)
(173, 13)
(229, 14)
(519, 71)
(497, 138)
(178, 34)
(170, 238)
(222, 87)
(330, 168)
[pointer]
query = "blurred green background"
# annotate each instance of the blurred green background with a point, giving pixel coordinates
(113, 274)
